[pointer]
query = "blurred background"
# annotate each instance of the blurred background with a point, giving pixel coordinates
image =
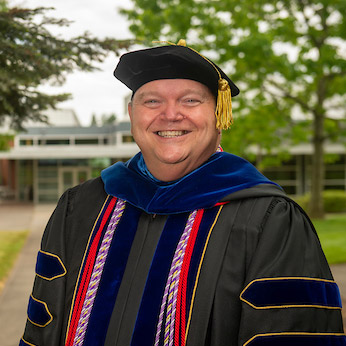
(63, 114)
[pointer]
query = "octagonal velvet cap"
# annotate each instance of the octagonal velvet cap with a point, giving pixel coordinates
(139, 67)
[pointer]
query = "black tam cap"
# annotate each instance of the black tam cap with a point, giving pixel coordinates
(178, 62)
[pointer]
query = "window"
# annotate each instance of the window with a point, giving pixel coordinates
(87, 141)
(54, 141)
(25, 142)
(128, 139)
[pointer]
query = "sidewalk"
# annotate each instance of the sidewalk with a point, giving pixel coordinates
(14, 297)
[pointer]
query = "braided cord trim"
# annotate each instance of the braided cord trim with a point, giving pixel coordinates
(180, 323)
(96, 274)
(169, 299)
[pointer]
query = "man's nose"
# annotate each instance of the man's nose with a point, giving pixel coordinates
(172, 112)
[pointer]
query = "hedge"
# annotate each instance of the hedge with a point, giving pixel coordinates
(334, 201)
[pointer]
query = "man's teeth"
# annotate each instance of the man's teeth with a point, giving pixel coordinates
(171, 133)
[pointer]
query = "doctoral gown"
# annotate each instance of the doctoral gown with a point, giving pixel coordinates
(253, 274)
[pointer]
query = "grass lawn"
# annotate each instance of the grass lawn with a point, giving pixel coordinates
(332, 233)
(10, 244)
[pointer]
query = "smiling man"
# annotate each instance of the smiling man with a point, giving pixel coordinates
(168, 117)
(183, 244)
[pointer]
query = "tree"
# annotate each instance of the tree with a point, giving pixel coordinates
(287, 56)
(108, 119)
(93, 120)
(5, 141)
(30, 56)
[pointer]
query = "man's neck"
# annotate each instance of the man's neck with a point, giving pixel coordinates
(169, 172)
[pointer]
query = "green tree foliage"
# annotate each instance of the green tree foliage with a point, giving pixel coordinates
(93, 120)
(30, 56)
(5, 141)
(103, 120)
(108, 119)
(286, 56)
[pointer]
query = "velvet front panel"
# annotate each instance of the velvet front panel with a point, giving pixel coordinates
(111, 277)
(147, 319)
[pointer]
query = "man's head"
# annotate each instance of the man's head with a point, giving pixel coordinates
(173, 123)
(175, 94)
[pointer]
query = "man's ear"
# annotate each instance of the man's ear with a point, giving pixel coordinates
(129, 109)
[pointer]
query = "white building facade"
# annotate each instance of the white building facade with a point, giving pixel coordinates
(46, 160)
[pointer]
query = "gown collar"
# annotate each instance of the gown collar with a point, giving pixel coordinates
(218, 177)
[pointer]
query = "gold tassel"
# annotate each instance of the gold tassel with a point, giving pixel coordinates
(181, 42)
(223, 110)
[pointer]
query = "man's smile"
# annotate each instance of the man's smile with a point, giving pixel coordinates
(171, 134)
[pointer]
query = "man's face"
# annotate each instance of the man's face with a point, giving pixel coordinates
(173, 123)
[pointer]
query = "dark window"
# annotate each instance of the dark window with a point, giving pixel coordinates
(86, 141)
(128, 139)
(335, 174)
(26, 142)
(280, 175)
(54, 142)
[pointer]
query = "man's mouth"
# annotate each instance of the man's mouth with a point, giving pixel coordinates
(171, 134)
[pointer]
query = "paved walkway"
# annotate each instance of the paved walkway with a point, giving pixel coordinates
(14, 296)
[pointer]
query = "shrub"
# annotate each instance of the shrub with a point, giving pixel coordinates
(334, 201)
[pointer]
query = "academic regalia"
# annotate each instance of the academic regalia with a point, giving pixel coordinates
(253, 271)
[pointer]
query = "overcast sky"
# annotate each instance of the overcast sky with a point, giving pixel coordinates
(95, 92)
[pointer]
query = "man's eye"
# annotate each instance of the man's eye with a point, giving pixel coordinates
(151, 101)
(192, 101)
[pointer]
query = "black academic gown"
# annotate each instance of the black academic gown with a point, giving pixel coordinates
(262, 258)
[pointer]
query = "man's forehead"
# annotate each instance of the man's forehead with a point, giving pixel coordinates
(173, 87)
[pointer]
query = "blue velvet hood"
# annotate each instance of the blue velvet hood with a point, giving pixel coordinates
(221, 175)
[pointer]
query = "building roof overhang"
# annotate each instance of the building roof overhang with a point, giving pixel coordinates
(70, 152)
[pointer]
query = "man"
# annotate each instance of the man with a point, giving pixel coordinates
(183, 244)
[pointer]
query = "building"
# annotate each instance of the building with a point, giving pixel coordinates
(47, 159)
(294, 175)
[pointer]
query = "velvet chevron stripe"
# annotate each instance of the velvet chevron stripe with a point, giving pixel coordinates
(49, 266)
(25, 343)
(269, 293)
(298, 339)
(38, 312)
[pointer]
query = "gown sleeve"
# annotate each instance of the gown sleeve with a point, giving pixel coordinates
(289, 295)
(58, 263)
(46, 302)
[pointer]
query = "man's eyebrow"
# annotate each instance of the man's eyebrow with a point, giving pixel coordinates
(194, 91)
(144, 94)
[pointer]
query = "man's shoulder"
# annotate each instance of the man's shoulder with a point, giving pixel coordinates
(88, 188)
(257, 191)
(88, 193)
(256, 204)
